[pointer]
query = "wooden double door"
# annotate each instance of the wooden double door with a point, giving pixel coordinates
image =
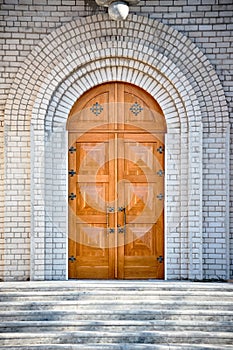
(116, 185)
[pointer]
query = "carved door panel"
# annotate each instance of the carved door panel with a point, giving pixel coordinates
(91, 186)
(141, 197)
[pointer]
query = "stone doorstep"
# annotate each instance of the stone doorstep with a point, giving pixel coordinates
(162, 337)
(117, 292)
(116, 315)
(151, 284)
(133, 346)
(115, 325)
(81, 299)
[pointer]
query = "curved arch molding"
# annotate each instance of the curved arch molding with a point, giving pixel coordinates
(165, 63)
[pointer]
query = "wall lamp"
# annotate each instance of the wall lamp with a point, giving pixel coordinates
(117, 10)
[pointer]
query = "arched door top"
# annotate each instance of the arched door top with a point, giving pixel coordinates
(116, 106)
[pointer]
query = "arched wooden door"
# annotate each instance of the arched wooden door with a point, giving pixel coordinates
(116, 184)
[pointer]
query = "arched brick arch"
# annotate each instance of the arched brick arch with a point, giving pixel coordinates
(140, 51)
(175, 112)
(119, 69)
(151, 37)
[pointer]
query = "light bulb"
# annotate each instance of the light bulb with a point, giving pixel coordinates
(118, 10)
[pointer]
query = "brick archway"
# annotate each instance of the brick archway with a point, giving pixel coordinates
(169, 67)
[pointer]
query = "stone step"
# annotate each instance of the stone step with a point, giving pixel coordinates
(180, 314)
(133, 346)
(115, 325)
(86, 285)
(119, 295)
(85, 337)
(117, 305)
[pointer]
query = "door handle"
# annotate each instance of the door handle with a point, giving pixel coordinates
(122, 229)
(125, 218)
(109, 229)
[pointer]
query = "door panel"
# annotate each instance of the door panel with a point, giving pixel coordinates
(141, 111)
(94, 110)
(143, 212)
(89, 241)
(116, 185)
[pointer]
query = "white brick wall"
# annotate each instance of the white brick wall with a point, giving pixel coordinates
(49, 81)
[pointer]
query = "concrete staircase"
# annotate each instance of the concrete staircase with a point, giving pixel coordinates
(116, 315)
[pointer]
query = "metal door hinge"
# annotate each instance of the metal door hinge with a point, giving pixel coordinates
(160, 196)
(72, 172)
(160, 172)
(160, 259)
(160, 149)
(72, 258)
(72, 149)
(72, 196)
